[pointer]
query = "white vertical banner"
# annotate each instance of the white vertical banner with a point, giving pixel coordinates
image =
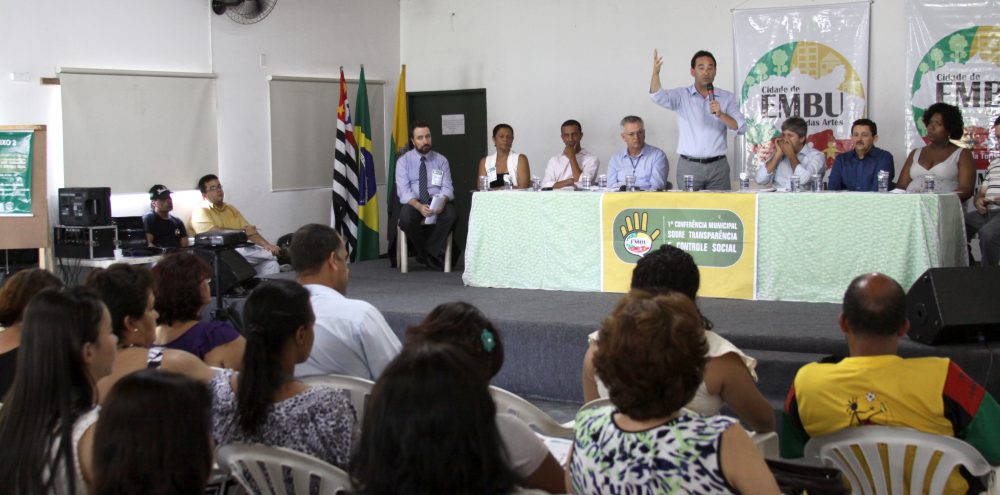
(953, 56)
(810, 62)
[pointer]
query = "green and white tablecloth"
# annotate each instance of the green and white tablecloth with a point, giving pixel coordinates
(534, 240)
(809, 245)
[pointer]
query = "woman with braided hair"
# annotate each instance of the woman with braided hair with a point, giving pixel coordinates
(264, 403)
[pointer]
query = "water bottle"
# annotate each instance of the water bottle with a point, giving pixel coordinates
(602, 182)
(484, 183)
(883, 181)
(536, 183)
(744, 182)
(584, 182)
(817, 184)
(689, 183)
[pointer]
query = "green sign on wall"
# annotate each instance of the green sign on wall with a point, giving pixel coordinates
(15, 173)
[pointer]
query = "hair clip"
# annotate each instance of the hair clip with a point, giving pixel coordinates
(487, 338)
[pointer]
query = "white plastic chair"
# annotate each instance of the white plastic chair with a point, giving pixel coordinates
(263, 465)
(403, 254)
(594, 404)
(511, 403)
(359, 389)
(866, 472)
(766, 443)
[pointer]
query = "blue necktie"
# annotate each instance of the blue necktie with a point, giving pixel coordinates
(425, 197)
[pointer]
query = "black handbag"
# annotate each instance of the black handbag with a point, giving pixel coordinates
(797, 479)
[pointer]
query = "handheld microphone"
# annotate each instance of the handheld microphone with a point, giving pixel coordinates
(711, 93)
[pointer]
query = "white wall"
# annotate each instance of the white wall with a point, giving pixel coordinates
(544, 62)
(39, 37)
(300, 37)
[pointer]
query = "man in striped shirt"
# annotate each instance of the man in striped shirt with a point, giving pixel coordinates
(985, 220)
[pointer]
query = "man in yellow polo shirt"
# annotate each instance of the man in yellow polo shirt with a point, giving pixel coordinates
(215, 214)
(875, 386)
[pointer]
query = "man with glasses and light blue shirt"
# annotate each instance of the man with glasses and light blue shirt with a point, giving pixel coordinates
(647, 164)
(704, 115)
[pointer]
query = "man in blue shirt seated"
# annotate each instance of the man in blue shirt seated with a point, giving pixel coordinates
(422, 174)
(857, 170)
(793, 157)
(648, 164)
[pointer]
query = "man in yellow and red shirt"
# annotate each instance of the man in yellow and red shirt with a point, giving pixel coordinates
(874, 386)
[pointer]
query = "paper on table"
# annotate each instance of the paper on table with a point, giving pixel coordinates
(436, 202)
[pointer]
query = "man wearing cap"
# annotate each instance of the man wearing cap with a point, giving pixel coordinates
(163, 229)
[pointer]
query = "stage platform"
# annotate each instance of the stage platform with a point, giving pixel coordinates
(545, 332)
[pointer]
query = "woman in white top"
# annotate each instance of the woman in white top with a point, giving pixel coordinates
(505, 162)
(952, 166)
(729, 376)
(47, 422)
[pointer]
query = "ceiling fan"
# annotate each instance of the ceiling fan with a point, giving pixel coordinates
(244, 11)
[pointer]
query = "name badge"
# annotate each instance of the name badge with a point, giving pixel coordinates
(436, 177)
(491, 173)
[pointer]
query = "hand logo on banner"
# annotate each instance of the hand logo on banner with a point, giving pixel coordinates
(636, 240)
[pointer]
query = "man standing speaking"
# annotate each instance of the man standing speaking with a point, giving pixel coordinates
(704, 115)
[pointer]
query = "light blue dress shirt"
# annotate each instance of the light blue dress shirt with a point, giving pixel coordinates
(812, 162)
(408, 176)
(650, 168)
(702, 135)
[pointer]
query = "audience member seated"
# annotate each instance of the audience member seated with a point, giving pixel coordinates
(464, 326)
(857, 169)
(154, 436)
(793, 156)
(47, 421)
(505, 162)
(729, 373)
(645, 442)
(265, 404)
(647, 163)
(566, 168)
(874, 386)
(14, 296)
(215, 214)
(432, 420)
(952, 167)
(127, 291)
(163, 229)
(985, 220)
(352, 337)
(181, 294)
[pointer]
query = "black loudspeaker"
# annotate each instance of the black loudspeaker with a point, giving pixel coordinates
(84, 206)
(950, 305)
(234, 270)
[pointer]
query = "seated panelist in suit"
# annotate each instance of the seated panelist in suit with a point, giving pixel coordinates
(421, 174)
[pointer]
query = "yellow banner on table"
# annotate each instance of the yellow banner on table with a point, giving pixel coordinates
(719, 230)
